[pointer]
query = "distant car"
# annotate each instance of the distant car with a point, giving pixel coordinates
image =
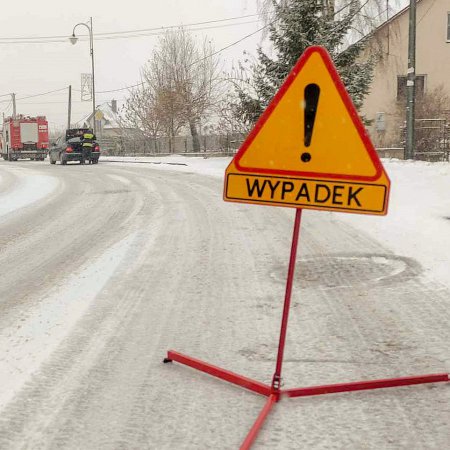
(69, 148)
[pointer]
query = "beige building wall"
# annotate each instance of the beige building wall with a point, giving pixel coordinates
(432, 60)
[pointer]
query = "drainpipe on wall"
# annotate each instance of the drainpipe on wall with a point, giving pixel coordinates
(411, 83)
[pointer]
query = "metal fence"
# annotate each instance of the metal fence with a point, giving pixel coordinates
(133, 146)
(432, 143)
(432, 139)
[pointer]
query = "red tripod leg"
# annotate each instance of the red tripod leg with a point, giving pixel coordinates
(251, 436)
(366, 385)
(231, 377)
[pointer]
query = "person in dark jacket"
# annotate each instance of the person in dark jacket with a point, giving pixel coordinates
(87, 143)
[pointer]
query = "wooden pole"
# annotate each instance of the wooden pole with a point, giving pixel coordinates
(69, 107)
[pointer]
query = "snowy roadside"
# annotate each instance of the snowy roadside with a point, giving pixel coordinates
(27, 190)
(418, 222)
(202, 165)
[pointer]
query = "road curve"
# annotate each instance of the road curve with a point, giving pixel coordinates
(104, 268)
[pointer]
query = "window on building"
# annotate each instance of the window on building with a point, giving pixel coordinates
(402, 85)
(448, 27)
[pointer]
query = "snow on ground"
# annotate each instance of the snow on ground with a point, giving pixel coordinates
(26, 190)
(50, 320)
(418, 222)
(204, 165)
(417, 226)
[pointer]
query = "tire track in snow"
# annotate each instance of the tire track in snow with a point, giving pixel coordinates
(51, 319)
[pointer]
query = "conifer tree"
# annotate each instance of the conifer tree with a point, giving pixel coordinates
(296, 25)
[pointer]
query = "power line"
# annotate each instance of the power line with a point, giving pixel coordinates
(178, 26)
(142, 83)
(79, 102)
(231, 45)
(121, 89)
(59, 41)
(163, 31)
(55, 103)
(34, 95)
(7, 106)
(124, 34)
(195, 62)
(44, 93)
(426, 12)
(135, 31)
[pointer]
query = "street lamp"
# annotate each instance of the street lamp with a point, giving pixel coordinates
(73, 39)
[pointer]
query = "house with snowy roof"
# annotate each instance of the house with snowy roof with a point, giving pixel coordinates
(107, 122)
(109, 130)
(385, 106)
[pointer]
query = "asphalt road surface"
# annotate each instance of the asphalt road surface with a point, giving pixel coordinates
(112, 265)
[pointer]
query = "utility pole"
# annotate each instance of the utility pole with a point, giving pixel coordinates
(93, 79)
(13, 98)
(69, 111)
(411, 83)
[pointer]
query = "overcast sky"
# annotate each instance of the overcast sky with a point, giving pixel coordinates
(29, 69)
(35, 68)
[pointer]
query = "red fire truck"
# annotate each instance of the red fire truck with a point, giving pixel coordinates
(24, 137)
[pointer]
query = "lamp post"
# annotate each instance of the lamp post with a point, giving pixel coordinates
(73, 39)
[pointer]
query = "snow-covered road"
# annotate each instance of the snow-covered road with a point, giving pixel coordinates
(114, 264)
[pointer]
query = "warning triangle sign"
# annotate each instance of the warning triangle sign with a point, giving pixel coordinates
(309, 149)
(311, 128)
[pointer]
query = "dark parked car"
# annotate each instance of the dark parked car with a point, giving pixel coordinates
(69, 148)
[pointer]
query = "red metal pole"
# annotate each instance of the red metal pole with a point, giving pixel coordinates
(276, 380)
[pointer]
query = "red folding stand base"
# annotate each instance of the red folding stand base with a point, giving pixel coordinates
(274, 392)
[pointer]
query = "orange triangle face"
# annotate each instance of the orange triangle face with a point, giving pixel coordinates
(311, 129)
(309, 148)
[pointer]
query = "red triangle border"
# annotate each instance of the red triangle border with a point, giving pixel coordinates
(348, 104)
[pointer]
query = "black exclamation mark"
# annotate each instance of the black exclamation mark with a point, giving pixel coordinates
(312, 92)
